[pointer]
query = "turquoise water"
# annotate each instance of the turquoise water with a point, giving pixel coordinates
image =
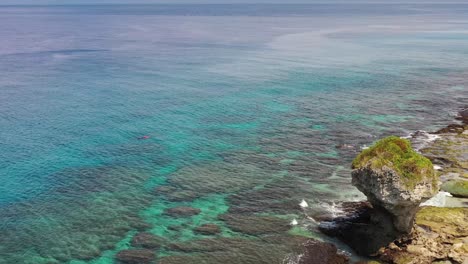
(244, 107)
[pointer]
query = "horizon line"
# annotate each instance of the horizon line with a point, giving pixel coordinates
(239, 3)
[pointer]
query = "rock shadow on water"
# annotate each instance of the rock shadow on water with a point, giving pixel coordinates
(364, 228)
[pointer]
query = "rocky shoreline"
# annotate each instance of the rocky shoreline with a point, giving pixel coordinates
(392, 227)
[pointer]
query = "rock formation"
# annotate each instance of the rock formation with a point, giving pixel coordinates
(458, 188)
(440, 234)
(362, 227)
(395, 178)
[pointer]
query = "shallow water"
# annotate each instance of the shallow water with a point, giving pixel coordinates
(248, 108)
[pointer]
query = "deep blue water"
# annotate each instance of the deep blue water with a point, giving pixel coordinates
(236, 101)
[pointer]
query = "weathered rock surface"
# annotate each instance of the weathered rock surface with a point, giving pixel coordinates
(440, 234)
(183, 211)
(458, 188)
(147, 240)
(136, 256)
(396, 178)
(208, 229)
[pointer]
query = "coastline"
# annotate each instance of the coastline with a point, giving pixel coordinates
(440, 229)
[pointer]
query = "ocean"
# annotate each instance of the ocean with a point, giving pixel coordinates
(112, 114)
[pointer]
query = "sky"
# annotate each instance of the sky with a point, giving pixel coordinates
(60, 2)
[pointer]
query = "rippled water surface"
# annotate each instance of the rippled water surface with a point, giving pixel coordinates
(109, 115)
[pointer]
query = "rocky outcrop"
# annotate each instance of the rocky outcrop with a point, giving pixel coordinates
(440, 234)
(363, 228)
(450, 152)
(457, 188)
(452, 128)
(395, 178)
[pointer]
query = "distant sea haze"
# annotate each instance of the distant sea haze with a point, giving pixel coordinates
(111, 115)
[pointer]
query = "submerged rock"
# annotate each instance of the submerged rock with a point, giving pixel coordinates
(136, 256)
(208, 229)
(255, 224)
(147, 240)
(263, 250)
(234, 250)
(320, 252)
(183, 211)
(182, 196)
(396, 178)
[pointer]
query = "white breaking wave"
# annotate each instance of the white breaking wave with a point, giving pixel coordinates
(304, 204)
(421, 139)
(294, 222)
(333, 208)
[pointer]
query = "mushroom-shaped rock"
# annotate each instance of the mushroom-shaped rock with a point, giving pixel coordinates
(396, 178)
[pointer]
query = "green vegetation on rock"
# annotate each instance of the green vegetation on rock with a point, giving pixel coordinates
(457, 188)
(453, 220)
(397, 154)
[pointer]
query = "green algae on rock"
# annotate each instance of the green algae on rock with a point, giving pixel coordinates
(452, 221)
(397, 154)
(458, 188)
